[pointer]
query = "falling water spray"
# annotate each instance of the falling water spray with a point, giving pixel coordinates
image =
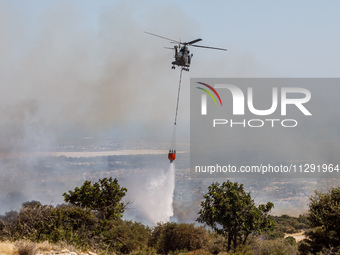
(155, 199)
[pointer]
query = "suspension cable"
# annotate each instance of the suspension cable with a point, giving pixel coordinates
(179, 89)
(173, 138)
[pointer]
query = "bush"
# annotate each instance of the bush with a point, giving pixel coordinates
(273, 247)
(199, 252)
(275, 235)
(75, 226)
(31, 222)
(124, 236)
(290, 240)
(145, 251)
(39, 223)
(318, 239)
(216, 243)
(285, 224)
(324, 217)
(172, 236)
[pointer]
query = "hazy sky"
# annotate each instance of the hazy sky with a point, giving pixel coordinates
(73, 68)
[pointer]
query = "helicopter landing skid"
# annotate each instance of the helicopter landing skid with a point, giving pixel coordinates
(183, 68)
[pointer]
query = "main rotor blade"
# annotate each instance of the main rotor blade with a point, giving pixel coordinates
(194, 41)
(168, 48)
(171, 40)
(200, 46)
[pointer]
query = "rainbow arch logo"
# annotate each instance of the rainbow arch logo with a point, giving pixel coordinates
(209, 93)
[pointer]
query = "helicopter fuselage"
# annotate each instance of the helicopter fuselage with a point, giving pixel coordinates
(182, 57)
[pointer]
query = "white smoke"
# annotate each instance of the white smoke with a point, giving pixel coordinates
(65, 75)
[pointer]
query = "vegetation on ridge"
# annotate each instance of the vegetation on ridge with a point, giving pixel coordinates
(232, 224)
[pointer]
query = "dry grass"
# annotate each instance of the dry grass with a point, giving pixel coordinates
(6, 248)
(46, 246)
(30, 248)
(25, 248)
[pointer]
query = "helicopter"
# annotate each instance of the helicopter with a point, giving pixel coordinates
(182, 53)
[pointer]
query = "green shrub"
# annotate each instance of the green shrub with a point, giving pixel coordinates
(216, 243)
(75, 226)
(124, 236)
(324, 217)
(31, 222)
(199, 252)
(273, 247)
(173, 236)
(145, 251)
(275, 235)
(287, 225)
(290, 240)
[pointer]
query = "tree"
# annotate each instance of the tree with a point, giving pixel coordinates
(231, 212)
(324, 218)
(103, 196)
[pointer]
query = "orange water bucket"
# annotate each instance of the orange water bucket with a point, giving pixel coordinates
(172, 155)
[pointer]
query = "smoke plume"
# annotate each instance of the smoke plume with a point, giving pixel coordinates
(66, 72)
